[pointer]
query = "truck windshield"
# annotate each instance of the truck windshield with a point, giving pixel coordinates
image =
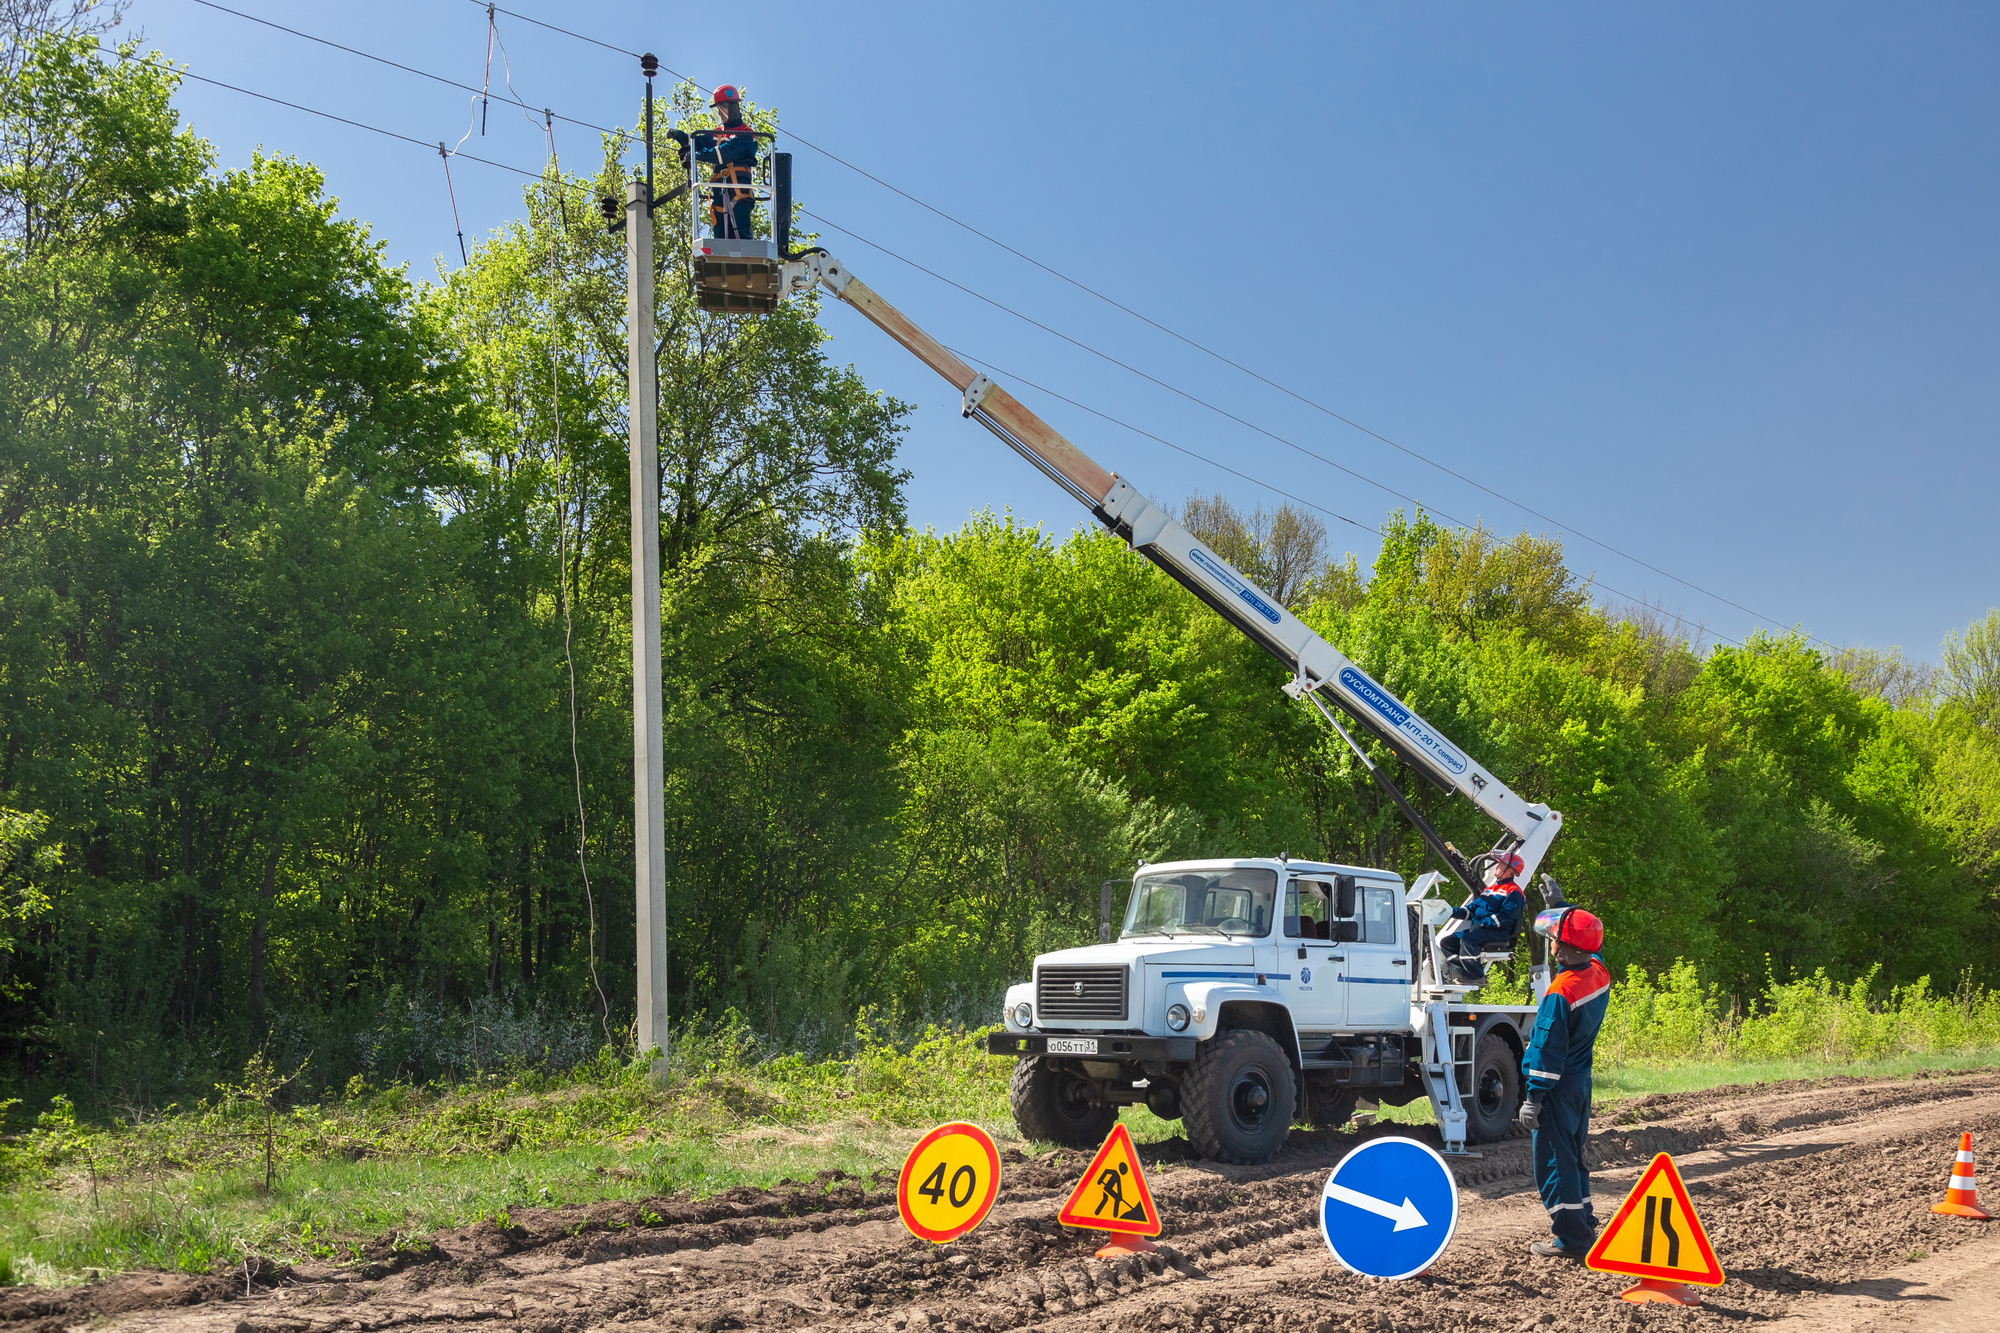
(1205, 902)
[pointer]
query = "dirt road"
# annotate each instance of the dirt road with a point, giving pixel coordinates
(1816, 1195)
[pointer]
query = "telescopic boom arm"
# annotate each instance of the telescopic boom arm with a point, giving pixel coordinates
(1321, 673)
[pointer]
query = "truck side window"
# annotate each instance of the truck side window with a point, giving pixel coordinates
(1305, 910)
(1378, 916)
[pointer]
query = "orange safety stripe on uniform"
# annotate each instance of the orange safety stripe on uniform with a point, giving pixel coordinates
(1582, 985)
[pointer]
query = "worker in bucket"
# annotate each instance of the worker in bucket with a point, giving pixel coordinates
(1557, 1064)
(731, 149)
(1492, 917)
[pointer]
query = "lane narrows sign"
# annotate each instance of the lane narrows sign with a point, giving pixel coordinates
(1655, 1233)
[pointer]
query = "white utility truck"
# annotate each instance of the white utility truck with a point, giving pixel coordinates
(1241, 995)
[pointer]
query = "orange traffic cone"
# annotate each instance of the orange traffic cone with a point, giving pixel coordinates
(1121, 1245)
(1962, 1199)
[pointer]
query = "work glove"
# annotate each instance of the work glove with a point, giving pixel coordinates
(1459, 914)
(678, 136)
(1530, 1116)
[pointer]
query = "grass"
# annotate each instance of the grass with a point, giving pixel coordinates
(328, 1209)
(1619, 1083)
(184, 1189)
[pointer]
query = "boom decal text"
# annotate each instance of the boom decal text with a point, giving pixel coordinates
(1447, 755)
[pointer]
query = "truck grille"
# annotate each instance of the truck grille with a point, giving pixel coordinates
(1073, 993)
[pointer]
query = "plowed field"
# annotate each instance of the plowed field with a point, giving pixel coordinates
(1816, 1195)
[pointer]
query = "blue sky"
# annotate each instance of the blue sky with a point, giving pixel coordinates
(1711, 284)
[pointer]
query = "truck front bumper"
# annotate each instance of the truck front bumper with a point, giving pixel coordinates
(1110, 1046)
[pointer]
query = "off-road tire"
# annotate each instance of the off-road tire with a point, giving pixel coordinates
(1052, 1105)
(1238, 1100)
(1496, 1090)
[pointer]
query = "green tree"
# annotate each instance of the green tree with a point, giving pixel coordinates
(1971, 676)
(784, 678)
(237, 630)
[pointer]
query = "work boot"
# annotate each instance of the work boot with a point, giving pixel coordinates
(1549, 1249)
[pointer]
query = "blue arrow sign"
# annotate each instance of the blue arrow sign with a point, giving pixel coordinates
(1389, 1208)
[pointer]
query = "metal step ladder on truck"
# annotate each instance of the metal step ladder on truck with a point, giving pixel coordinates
(1240, 996)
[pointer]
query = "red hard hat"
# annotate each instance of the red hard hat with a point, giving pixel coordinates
(1510, 862)
(726, 93)
(1572, 926)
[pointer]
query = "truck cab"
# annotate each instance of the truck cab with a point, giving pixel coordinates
(1242, 996)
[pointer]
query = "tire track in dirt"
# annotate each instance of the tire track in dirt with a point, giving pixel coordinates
(1810, 1190)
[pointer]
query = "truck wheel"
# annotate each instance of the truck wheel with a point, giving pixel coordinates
(1053, 1105)
(1496, 1090)
(1237, 1101)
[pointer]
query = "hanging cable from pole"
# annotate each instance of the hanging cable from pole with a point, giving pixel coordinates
(486, 84)
(463, 258)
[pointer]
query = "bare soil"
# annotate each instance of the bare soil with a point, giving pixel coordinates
(1816, 1194)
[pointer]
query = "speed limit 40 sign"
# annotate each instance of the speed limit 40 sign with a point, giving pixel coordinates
(949, 1182)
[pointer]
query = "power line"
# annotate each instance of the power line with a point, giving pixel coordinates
(1264, 379)
(394, 64)
(311, 111)
(564, 31)
(376, 129)
(1206, 350)
(1595, 581)
(1151, 379)
(1011, 377)
(1210, 406)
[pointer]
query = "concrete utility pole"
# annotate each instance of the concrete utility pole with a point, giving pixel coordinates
(649, 813)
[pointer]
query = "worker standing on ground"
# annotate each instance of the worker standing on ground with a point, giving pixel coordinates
(1493, 916)
(731, 149)
(1558, 1068)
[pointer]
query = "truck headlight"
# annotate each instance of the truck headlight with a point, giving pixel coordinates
(1177, 1017)
(1024, 1015)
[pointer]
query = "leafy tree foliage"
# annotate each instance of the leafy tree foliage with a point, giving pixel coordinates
(267, 701)
(315, 665)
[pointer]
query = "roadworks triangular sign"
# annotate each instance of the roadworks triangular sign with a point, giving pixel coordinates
(1656, 1234)
(1112, 1196)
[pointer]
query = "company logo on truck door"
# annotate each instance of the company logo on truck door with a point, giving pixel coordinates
(1402, 719)
(1227, 578)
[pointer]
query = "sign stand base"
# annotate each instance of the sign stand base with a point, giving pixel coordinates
(1666, 1293)
(1122, 1245)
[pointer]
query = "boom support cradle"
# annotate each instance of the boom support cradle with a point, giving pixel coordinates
(1321, 673)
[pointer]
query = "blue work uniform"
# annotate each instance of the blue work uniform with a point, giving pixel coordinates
(1558, 1068)
(1491, 918)
(732, 151)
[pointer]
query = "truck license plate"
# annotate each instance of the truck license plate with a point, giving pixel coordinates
(1072, 1046)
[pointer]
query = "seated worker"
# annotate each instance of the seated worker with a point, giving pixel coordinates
(1493, 917)
(731, 148)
